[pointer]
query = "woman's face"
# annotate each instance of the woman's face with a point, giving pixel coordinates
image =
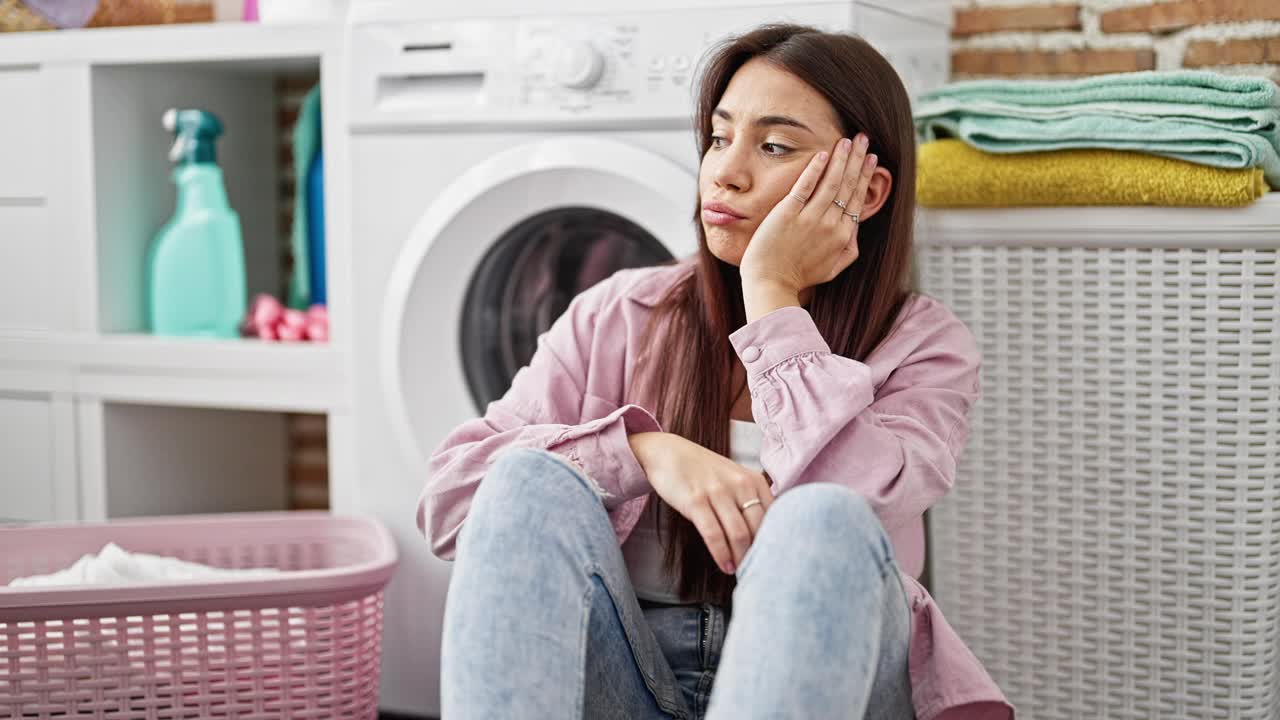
(767, 126)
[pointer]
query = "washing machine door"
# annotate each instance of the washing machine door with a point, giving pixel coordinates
(497, 257)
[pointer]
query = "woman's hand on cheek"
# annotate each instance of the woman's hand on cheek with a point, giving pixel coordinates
(808, 239)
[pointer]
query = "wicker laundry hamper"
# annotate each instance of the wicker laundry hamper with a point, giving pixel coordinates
(1112, 546)
(305, 643)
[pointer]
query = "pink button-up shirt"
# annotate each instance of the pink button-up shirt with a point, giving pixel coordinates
(891, 428)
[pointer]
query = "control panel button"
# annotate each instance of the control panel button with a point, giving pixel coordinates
(579, 66)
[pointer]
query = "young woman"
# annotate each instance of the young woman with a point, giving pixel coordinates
(703, 496)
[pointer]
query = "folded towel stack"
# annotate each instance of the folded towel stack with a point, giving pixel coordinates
(1152, 137)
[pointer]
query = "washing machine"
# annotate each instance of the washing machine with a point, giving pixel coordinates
(502, 160)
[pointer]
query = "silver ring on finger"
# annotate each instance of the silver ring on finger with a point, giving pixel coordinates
(852, 215)
(844, 206)
(797, 197)
(749, 503)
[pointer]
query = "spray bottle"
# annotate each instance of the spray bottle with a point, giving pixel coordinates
(195, 267)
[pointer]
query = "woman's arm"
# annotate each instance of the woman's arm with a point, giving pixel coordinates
(825, 421)
(542, 409)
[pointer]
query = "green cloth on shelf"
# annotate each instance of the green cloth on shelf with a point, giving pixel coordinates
(306, 140)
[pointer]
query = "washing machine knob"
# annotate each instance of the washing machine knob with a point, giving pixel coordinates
(579, 66)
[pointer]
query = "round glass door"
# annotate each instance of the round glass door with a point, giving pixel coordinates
(497, 256)
(527, 279)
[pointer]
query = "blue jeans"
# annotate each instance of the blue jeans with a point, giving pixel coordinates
(541, 620)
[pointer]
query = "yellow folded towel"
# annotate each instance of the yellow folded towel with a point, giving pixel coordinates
(953, 174)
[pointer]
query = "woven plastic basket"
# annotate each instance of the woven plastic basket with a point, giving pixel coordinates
(1112, 545)
(305, 644)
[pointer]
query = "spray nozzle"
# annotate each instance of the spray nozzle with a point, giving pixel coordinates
(194, 134)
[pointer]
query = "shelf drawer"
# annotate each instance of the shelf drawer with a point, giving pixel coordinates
(27, 477)
(27, 299)
(24, 137)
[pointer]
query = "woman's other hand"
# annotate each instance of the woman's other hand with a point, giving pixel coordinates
(708, 489)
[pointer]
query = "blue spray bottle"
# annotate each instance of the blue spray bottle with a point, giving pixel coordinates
(195, 267)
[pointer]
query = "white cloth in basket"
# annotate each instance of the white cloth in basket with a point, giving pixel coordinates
(114, 565)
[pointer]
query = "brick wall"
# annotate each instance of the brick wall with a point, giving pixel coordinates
(1001, 38)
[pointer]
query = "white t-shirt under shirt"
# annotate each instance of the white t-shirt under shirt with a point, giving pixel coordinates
(643, 551)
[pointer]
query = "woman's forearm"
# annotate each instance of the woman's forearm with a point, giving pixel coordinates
(762, 298)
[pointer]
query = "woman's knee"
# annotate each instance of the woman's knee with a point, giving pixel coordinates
(530, 503)
(526, 482)
(827, 515)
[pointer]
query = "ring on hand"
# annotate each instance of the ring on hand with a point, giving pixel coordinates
(852, 215)
(797, 197)
(843, 205)
(749, 503)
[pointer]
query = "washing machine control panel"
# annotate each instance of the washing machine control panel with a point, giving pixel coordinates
(636, 69)
(624, 65)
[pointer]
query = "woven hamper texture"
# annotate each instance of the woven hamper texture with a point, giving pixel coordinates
(1112, 546)
(305, 644)
(266, 663)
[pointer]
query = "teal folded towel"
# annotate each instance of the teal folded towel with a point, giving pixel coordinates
(1190, 87)
(1201, 117)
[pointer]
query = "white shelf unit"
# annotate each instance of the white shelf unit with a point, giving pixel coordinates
(245, 44)
(141, 368)
(97, 418)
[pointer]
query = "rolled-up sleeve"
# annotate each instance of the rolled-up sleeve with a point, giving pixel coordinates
(825, 420)
(542, 409)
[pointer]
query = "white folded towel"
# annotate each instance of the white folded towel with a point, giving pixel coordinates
(115, 566)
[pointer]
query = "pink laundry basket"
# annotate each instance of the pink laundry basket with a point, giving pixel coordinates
(305, 644)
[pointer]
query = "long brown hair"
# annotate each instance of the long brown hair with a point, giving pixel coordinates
(854, 312)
